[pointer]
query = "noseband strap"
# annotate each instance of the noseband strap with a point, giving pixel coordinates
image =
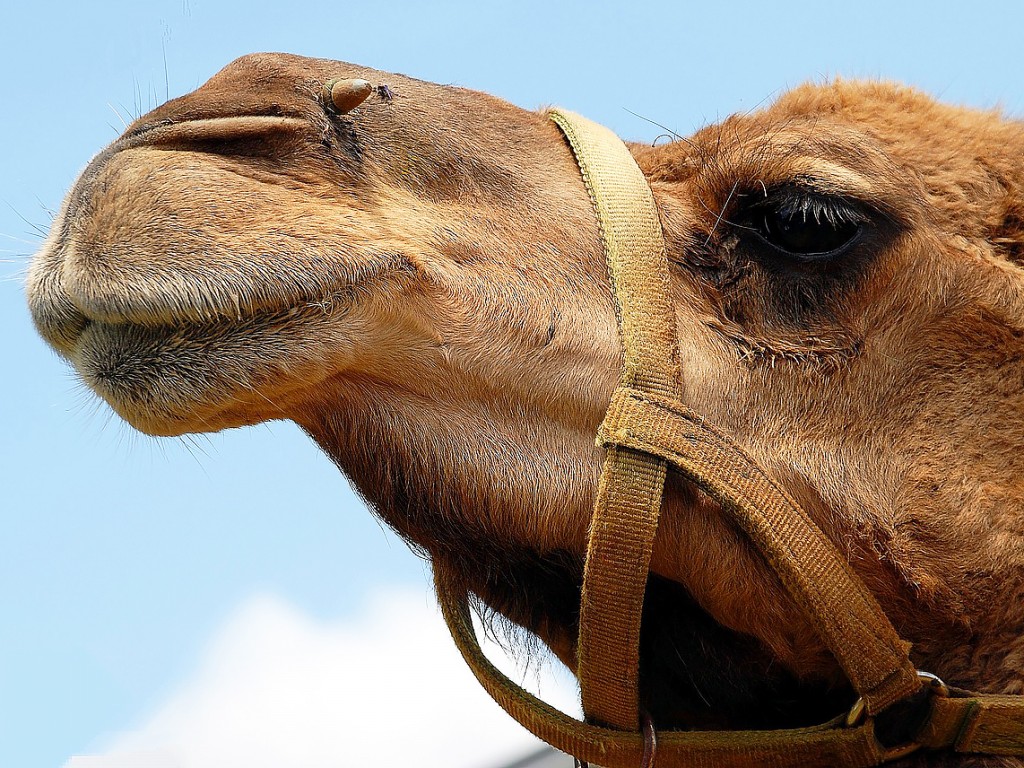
(648, 429)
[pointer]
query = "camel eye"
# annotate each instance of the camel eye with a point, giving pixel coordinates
(805, 226)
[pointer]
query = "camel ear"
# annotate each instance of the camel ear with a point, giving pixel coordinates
(1008, 236)
(1006, 217)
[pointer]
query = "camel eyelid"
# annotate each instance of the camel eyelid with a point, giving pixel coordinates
(792, 199)
(801, 223)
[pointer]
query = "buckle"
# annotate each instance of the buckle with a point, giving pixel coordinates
(898, 726)
(650, 744)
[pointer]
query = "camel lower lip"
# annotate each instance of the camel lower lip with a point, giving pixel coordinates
(122, 363)
(166, 380)
(112, 353)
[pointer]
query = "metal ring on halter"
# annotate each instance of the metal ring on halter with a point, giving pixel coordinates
(899, 736)
(935, 686)
(650, 740)
(650, 743)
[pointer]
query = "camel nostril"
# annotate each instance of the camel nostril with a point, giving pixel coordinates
(237, 135)
(342, 96)
(134, 133)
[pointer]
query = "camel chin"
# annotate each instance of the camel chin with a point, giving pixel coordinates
(413, 273)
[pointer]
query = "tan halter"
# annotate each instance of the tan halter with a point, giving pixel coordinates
(646, 429)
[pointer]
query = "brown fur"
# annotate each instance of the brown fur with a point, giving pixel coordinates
(421, 286)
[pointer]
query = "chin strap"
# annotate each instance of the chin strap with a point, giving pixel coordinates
(645, 430)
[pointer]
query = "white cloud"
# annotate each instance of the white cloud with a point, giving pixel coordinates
(386, 688)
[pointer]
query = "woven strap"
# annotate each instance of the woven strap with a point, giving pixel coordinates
(977, 723)
(826, 745)
(629, 494)
(845, 614)
(965, 722)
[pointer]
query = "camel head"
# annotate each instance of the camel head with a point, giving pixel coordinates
(418, 281)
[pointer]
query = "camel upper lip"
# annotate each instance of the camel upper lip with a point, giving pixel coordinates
(62, 317)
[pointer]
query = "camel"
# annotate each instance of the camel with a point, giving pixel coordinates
(414, 275)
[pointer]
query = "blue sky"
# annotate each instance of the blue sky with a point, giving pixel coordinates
(128, 564)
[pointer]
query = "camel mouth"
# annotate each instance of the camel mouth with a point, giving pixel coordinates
(215, 358)
(207, 369)
(64, 303)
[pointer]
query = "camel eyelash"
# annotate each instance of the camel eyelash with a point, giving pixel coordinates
(802, 224)
(792, 202)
